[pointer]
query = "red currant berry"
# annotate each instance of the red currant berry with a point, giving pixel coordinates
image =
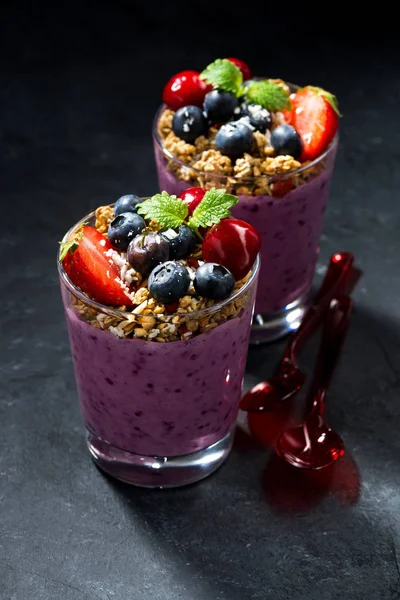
(246, 71)
(281, 187)
(234, 244)
(192, 197)
(183, 89)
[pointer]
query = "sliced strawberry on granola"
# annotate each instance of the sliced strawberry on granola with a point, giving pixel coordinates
(315, 116)
(85, 262)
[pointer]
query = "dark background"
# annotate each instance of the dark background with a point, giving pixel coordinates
(80, 83)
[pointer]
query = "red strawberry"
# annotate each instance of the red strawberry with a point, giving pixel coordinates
(86, 264)
(234, 244)
(193, 262)
(183, 89)
(172, 307)
(246, 71)
(315, 116)
(281, 187)
(288, 114)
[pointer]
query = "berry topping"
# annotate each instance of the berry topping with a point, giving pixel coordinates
(219, 106)
(188, 123)
(315, 116)
(183, 89)
(126, 203)
(124, 228)
(85, 261)
(146, 251)
(234, 139)
(193, 262)
(285, 140)
(244, 67)
(213, 281)
(259, 117)
(181, 241)
(192, 197)
(234, 244)
(169, 282)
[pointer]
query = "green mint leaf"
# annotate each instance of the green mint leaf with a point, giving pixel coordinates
(268, 94)
(215, 206)
(69, 246)
(330, 98)
(224, 75)
(167, 210)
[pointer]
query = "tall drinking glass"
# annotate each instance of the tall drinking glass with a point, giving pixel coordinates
(159, 413)
(287, 209)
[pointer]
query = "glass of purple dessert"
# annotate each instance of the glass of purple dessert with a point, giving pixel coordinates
(159, 332)
(273, 145)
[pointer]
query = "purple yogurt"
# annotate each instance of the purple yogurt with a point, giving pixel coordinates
(290, 228)
(159, 399)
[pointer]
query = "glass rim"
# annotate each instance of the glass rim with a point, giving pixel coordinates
(270, 178)
(115, 312)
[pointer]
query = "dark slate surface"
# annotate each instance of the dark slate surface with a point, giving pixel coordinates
(78, 91)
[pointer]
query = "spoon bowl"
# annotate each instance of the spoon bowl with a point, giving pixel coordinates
(270, 395)
(296, 447)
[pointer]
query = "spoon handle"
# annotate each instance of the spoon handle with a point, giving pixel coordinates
(335, 326)
(338, 271)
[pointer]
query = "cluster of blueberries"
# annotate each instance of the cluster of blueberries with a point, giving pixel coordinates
(156, 255)
(237, 119)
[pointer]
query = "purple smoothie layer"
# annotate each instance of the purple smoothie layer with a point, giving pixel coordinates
(290, 228)
(160, 399)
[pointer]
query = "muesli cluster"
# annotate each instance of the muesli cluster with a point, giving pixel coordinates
(156, 264)
(224, 128)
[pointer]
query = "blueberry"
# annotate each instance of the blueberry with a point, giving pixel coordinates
(147, 251)
(124, 228)
(259, 117)
(234, 139)
(286, 140)
(188, 123)
(219, 106)
(213, 281)
(126, 203)
(168, 282)
(181, 241)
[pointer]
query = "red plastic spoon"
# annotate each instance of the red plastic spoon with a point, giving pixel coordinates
(314, 445)
(288, 379)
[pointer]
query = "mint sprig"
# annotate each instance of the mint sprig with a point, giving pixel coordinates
(268, 94)
(224, 75)
(69, 246)
(215, 206)
(167, 210)
(170, 212)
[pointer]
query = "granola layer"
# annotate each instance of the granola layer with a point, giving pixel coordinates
(254, 174)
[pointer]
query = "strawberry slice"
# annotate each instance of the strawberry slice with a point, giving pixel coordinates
(84, 259)
(281, 187)
(288, 113)
(315, 116)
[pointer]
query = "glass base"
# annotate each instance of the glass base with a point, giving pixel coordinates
(273, 326)
(158, 471)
